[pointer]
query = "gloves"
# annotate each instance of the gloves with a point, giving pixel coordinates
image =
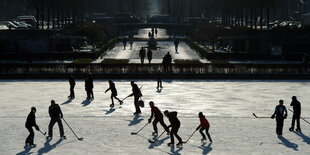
(37, 128)
(150, 120)
(272, 117)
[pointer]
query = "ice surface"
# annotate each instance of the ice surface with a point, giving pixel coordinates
(228, 105)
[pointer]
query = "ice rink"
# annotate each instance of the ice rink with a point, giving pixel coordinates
(228, 105)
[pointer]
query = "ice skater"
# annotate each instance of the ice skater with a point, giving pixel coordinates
(149, 55)
(159, 82)
(142, 55)
(113, 93)
(158, 118)
(204, 125)
(31, 122)
(89, 85)
(176, 44)
(175, 124)
(136, 92)
(296, 116)
(124, 42)
(280, 114)
(72, 85)
(56, 115)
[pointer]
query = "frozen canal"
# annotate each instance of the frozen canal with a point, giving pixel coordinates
(228, 105)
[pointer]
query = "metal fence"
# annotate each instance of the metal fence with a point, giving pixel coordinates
(154, 69)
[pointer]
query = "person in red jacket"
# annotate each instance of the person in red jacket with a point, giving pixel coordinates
(158, 118)
(204, 125)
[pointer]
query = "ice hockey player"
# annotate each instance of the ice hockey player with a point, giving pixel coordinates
(72, 85)
(158, 118)
(296, 116)
(56, 115)
(175, 124)
(113, 93)
(136, 92)
(204, 125)
(280, 114)
(30, 122)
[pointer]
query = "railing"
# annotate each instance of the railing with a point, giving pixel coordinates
(194, 69)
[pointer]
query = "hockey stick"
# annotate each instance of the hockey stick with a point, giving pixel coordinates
(134, 133)
(72, 130)
(121, 102)
(43, 133)
(300, 117)
(260, 117)
(150, 141)
(190, 137)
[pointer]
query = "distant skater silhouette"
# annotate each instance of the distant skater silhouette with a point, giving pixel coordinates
(56, 115)
(142, 55)
(149, 55)
(72, 85)
(296, 116)
(280, 114)
(204, 125)
(31, 122)
(113, 92)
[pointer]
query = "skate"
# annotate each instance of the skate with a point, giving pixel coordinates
(48, 137)
(112, 105)
(154, 133)
(63, 137)
(170, 144)
(203, 139)
(291, 129)
(137, 113)
(121, 102)
(298, 130)
(180, 144)
(32, 145)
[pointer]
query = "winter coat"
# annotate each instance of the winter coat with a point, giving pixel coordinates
(55, 112)
(203, 122)
(136, 91)
(149, 55)
(113, 89)
(71, 81)
(280, 111)
(174, 121)
(142, 53)
(31, 120)
(156, 112)
(296, 107)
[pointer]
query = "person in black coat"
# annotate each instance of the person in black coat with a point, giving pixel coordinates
(136, 92)
(158, 118)
(175, 124)
(72, 85)
(296, 116)
(280, 114)
(142, 55)
(56, 115)
(91, 85)
(149, 55)
(176, 44)
(114, 93)
(30, 122)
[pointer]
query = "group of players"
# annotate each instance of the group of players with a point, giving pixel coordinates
(56, 116)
